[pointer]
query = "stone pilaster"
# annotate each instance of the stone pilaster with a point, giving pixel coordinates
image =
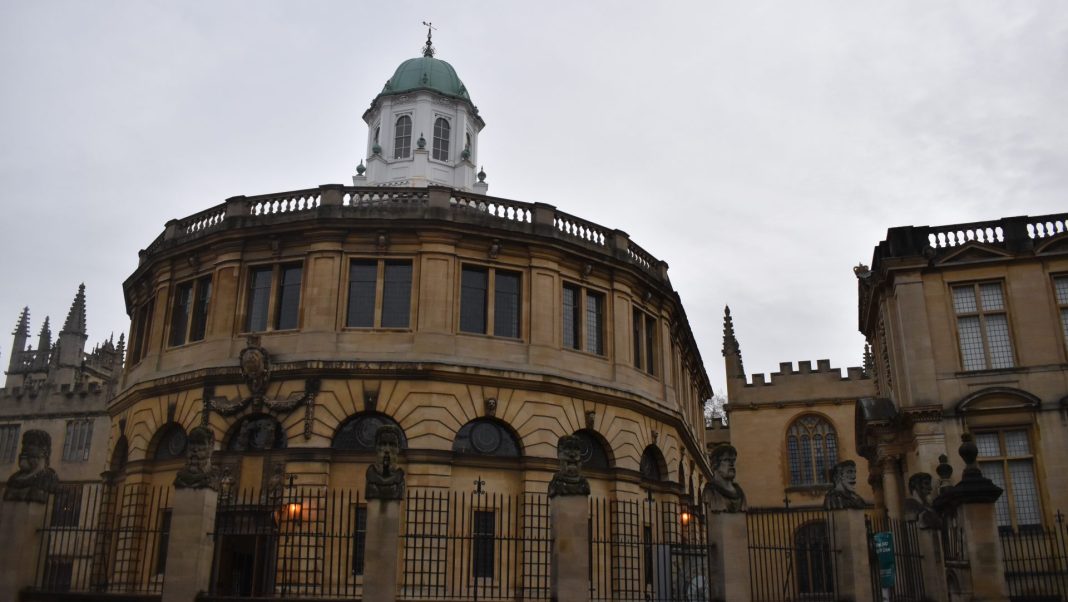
(19, 522)
(380, 564)
(854, 565)
(729, 540)
(190, 548)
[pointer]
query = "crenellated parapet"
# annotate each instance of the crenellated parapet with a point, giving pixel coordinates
(804, 383)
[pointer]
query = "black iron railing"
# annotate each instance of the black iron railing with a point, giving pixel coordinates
(1036, 561)
(792, 554)
(908, 562)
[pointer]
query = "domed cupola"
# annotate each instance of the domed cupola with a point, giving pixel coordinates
(423, 128)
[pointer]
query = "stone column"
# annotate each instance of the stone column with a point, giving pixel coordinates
(569, 518)
(729, 538)
(19, 522)
(973, 499)
(190, 549)
(384, 491)
(22, 513)
(854, 566)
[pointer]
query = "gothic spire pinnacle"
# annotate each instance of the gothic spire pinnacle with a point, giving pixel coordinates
(869, 361)
(731, 349)
(44, 347)
(428, 50)
(75, 323)
(22, 328)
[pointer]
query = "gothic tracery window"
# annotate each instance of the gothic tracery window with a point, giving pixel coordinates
(812, 448)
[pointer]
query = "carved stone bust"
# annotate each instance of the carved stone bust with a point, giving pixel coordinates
(197, 473)
(918, 505)
(722, 493)
(34, 479)
(569, 480)
(844, 494)
(385, 479)
(255, 367)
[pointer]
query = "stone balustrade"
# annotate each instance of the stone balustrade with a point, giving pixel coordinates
(462, 207)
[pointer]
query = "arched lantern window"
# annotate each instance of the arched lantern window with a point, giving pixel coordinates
(486, 437)
(358, 432)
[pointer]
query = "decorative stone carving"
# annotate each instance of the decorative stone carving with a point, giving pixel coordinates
(945, 473)
(385, 479)
(259, 433)
(844, 492)
(34, 479)
(918, 505)
(491, 406)
(255, 367)
(722, 494)
(569, 480)
(197, 473)
(591, 418)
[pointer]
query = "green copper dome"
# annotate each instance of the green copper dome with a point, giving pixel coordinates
(426, 73)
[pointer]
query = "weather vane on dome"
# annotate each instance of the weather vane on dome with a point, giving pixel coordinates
(428, 50)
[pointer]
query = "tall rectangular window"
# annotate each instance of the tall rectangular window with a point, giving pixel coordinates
(584, 322)
(9, 442)
(77, 441)
(506, 304)
(643, 333)
(1005, 458)
(473, 285)
(982, 326)
(1060, 288)
(163, 539)
(67, 506)
(286, 315)
(379, 284)
(189, 315)
(274, 297)
(359, 540)
(142, 326)
(482, 536)
(481, 313)
(259, 298)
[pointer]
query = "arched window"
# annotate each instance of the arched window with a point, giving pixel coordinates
(486, 437)
(653, 467)
(594, 454)
(258, 432)
(812, 447)
(441, 139)
(402, 138)
(169, 443)
(119, 455)
(358, 432)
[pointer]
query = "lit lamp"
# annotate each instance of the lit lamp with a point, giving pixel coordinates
(685, 517)
(293, 511)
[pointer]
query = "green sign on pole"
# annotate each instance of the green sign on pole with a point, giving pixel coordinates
(884, 551)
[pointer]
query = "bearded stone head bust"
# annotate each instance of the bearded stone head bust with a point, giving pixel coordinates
(34, 479)
(722, 494)
(197, 473)
(568, 480)
(843, 493)
(385, 479)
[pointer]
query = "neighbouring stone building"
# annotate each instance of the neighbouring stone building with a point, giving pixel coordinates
(62, 390)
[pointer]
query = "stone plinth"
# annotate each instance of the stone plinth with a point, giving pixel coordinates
(380, 563)
(984, 553)
(569, 570)
(729, 538)
(190, 548)
(934, 569)
(854, 565)
(19, 522)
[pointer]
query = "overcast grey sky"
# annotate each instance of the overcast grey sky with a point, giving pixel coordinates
(761, 149)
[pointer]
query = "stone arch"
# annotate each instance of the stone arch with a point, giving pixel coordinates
(999, 399)
(119, 455)
(255, 432)
(653, 467)
(487, 437)
(596, 453)
(168, 443)
(357, 432)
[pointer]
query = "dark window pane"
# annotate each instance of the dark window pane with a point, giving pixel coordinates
(637, 319)
(200, 309)
(362, 281)
(397, 294)
(441, 139)
(183, 299)
(571, 317)
(67, 506)
(288, 297)
(482, 544)
(259, 296)
(595, 323)
(650, 344)
(402, 138)
(473, 300)
(359, 540)
(506, 304)
(163, 540)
